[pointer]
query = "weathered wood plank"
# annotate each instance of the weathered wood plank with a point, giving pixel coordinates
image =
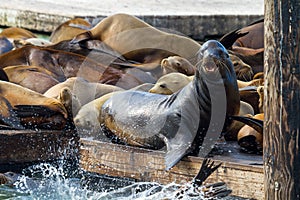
(282, 100)
(147, 165)
(31, 146)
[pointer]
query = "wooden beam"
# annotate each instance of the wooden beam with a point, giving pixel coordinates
(148, 165)
(33, 146)
(282, 100)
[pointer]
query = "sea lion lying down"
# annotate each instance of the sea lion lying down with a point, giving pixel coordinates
(182, 120)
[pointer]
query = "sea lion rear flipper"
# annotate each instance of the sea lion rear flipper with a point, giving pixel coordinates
(254, 123)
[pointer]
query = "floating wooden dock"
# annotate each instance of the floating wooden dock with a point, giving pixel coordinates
(27, 146)
(244, 177)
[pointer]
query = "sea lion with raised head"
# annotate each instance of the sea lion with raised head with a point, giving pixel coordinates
(170, 83)
(182, 120)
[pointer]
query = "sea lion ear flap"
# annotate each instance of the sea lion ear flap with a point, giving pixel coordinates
(254, 123)
(82, 37)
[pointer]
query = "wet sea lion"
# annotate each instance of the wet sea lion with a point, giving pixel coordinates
(32, 77)
(69, 29)
(138, 41)
(33, 109)
(182, 120)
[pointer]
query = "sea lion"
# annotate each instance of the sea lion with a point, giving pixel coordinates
(84, 90)
(170, 83)
(138, 41)
(250, 139)
(69, 29)
(31, 41)
(255, 37)
(87, 119)
(33, 109)
(245, 110)
(177, 64)
(68, 64)
(16, 33)
(182, 120)
(35, 78)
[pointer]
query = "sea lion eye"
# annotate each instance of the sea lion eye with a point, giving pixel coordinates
(162, 86)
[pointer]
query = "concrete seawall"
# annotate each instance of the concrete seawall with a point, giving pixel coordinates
(198, 19)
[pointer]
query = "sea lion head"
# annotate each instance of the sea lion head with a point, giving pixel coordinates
(177, 64)
(214, 60)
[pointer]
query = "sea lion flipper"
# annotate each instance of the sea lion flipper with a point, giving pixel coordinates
(254, 123)
(177, 147)
(8, 116)
(29, 110)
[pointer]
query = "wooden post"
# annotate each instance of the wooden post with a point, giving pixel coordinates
(282, 100)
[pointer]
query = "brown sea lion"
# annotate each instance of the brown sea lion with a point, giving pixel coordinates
(138, 41)
(249, 139)
(245, 110)
(15, 33)
(255, 37)
(69, 29)
(33, 109)
(182, 120)
(243, 71)
(31, 41)
(253, 57)
(68, 64)
(32, 77)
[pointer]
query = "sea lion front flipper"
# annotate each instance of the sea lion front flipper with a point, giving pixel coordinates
(254, 123)
(8, 117)
(33, 110)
